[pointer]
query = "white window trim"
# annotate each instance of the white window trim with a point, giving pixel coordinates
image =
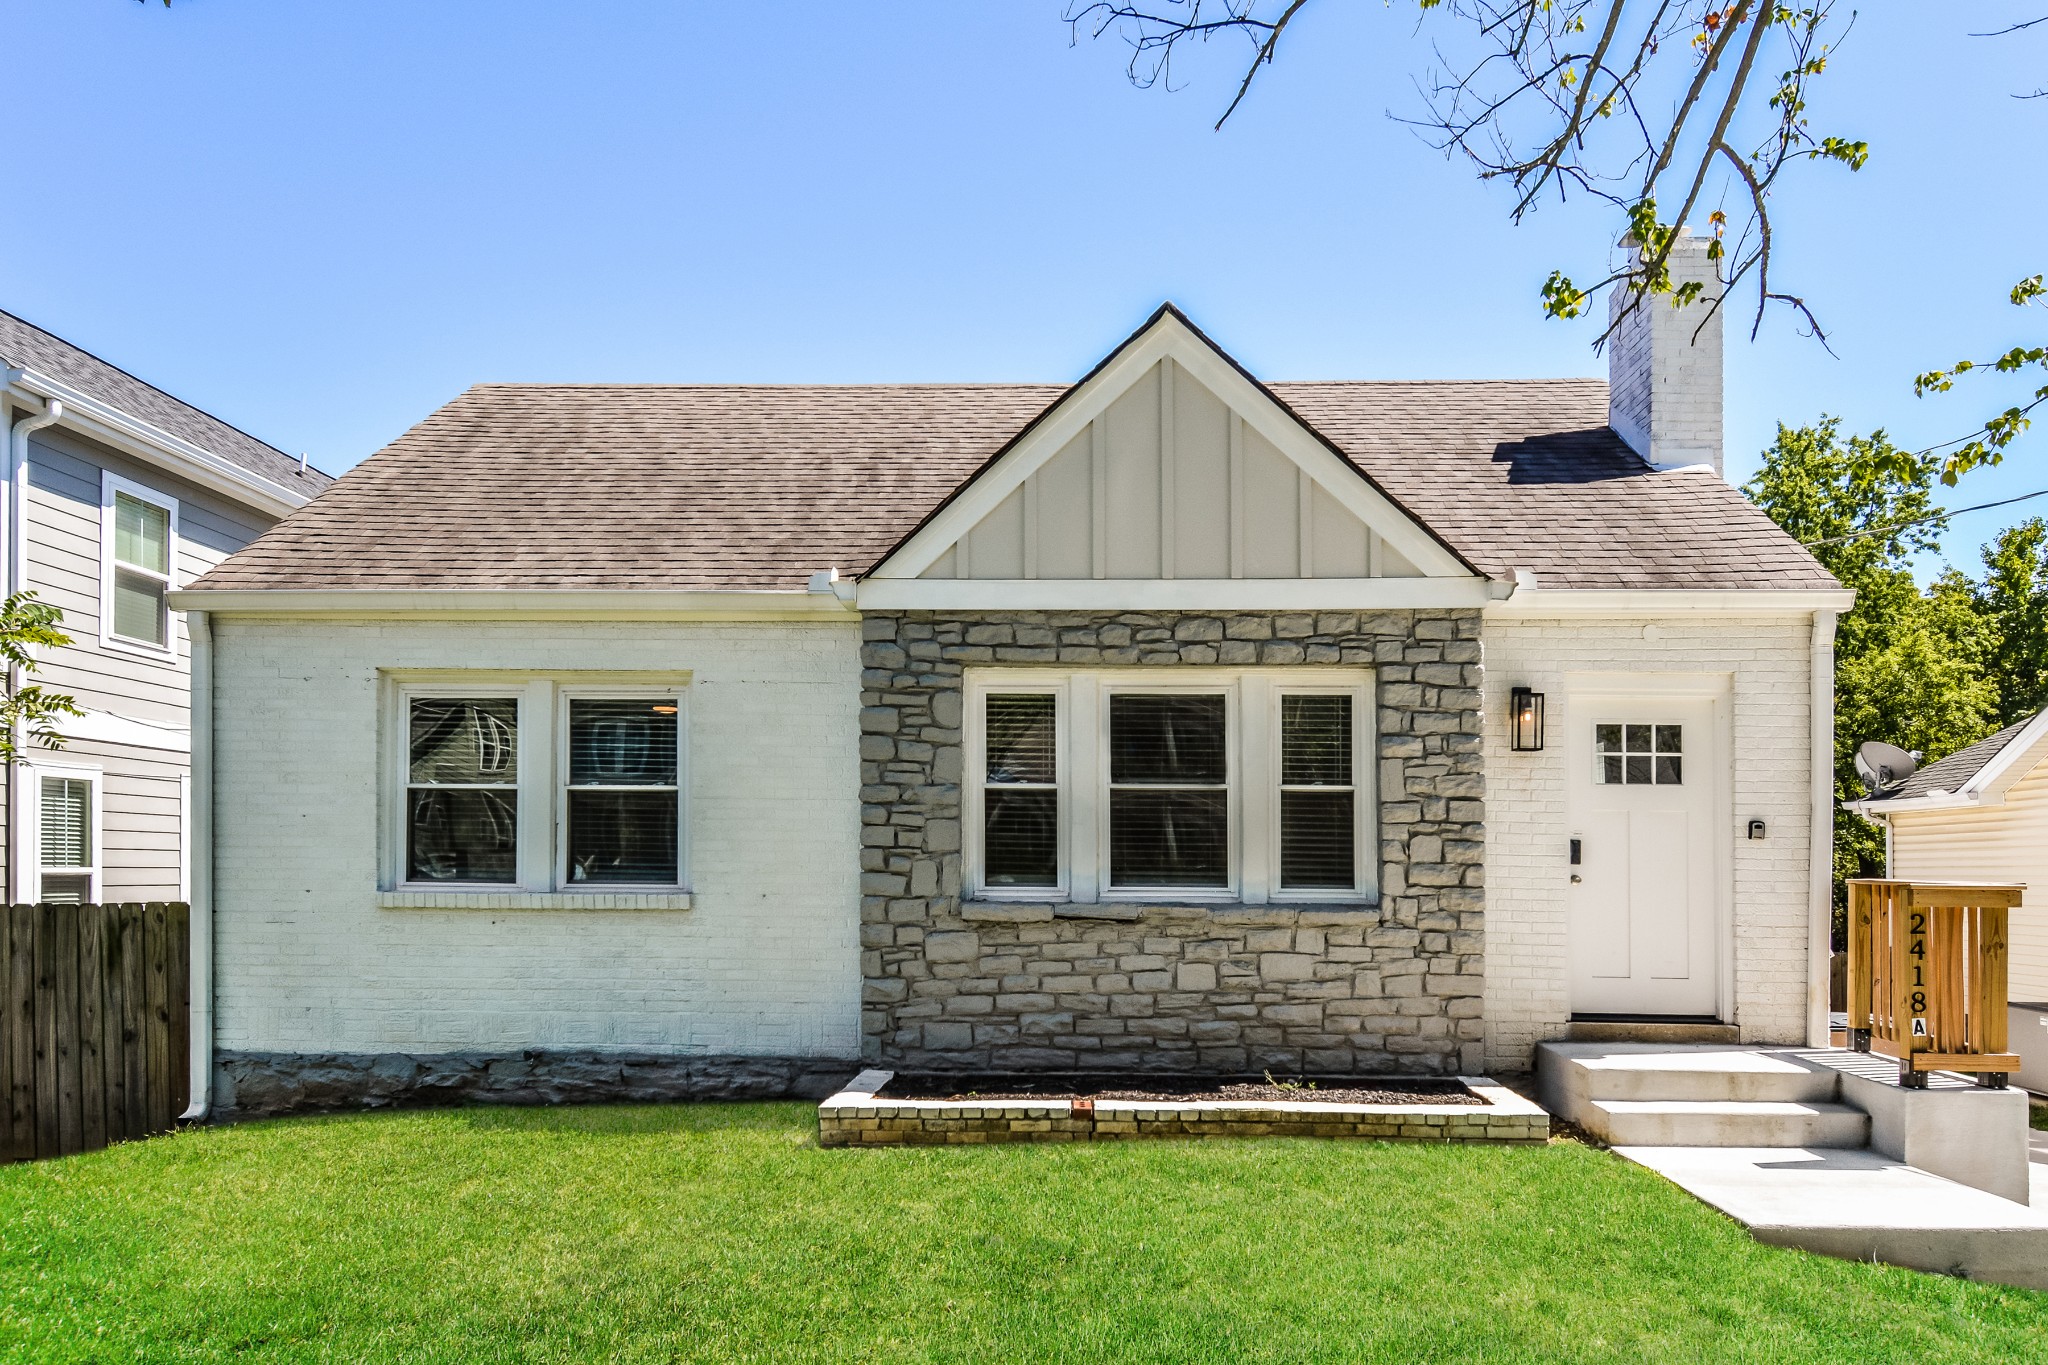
(95, 780)
(111, 484)
(543, 802)
(1253, 765)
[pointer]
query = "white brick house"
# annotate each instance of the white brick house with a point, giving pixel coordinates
(658, 740)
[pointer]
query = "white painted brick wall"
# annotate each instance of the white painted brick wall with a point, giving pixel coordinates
(1527, 833)
(765, 963)
(1664, 383)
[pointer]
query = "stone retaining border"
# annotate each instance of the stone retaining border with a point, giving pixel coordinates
(858, 1117)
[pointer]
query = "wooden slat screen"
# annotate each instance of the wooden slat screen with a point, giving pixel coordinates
(94, 1025)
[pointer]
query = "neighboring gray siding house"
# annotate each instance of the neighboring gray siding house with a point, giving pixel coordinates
(661, 739)
(117, 494)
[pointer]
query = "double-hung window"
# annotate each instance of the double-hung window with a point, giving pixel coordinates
(1213, 785)
(538, 784)
(138, 550)
(67, 835)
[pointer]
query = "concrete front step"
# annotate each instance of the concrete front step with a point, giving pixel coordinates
(1646, 1072)
(1725, 1123)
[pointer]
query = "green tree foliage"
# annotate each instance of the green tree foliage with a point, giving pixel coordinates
(2011, 606)
(25, 626)
(1909, 665)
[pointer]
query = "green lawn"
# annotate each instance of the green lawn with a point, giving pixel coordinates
(723, 1233)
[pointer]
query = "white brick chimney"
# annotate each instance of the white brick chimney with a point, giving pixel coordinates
(1663, 383)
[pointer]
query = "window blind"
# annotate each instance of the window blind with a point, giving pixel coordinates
(66, 822)
(623, 795)
(1169, 803)
(1318, 801)
(1020, 798)
(462, 797)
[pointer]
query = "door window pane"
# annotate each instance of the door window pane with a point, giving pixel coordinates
(1640, 755)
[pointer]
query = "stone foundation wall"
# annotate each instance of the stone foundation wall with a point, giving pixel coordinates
(265, 1084)
(1355, 990)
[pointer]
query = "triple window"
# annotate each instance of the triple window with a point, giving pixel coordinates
(138, 543)
(540, 786)
(1250, 784)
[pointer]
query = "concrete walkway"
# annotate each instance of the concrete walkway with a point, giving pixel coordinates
(1858, 1205)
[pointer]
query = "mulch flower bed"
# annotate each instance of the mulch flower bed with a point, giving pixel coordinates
(1258, 1090)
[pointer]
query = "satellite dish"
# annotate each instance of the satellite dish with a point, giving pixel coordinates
(1884, 766)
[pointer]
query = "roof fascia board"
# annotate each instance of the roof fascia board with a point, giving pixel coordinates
(534, 603)
(1173, 594)
(1546, 603)
(1929, 801)
(131, 435)
(1168, 336)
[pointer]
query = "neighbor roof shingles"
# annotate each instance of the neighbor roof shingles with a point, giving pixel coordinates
(1951, 773)
(24, 345)
(756, 487)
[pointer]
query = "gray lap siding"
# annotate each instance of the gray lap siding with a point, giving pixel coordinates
(952, 984)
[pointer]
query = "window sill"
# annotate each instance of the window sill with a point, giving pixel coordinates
(139, 650)
(533, 900)
(1025, 912)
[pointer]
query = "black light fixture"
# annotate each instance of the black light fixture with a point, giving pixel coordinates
(1525, 720)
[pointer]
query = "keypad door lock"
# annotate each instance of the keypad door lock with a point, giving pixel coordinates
(1576, 852)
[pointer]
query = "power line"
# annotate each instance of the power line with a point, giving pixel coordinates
(1920, 521)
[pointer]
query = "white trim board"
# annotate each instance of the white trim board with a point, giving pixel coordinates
(1169, 337)
(1182, 594)
(618, 604)
(1650, 603)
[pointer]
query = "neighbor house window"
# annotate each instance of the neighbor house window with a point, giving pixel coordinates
(532, 785)
(67, 838)
(1206, 783)
(138, 537)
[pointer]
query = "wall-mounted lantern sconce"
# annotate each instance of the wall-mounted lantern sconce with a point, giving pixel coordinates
(1525, 720)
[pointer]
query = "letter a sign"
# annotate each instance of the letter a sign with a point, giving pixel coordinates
(1919, 1028)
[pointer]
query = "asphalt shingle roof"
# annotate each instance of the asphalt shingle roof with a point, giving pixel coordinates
(1949, 774)
(714, 487)
(23, 345)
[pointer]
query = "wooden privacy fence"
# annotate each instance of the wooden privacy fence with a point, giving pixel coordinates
(93, 1044)
(1927, 965)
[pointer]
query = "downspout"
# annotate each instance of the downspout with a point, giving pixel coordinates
(200, 819)
(16, 580)
(1821, 855)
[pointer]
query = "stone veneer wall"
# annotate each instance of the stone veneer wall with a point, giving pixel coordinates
(953, 985)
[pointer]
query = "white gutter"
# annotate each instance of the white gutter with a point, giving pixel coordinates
(578, 603)
(200, 821)
(190, 462)
(1541, 603)
(1821, 828)
(18, 889)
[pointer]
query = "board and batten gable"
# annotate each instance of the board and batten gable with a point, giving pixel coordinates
(314, 960)
(1189, 489)
(134, 741)
(2002, 842)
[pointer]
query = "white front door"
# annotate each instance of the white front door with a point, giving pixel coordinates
(1644, 880)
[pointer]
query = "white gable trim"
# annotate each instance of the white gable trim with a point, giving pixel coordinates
(1169, 338)
(1171, 594)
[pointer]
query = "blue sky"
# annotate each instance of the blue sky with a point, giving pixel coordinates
(322, 219)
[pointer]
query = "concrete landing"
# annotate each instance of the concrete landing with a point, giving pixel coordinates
(1861, 1206)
